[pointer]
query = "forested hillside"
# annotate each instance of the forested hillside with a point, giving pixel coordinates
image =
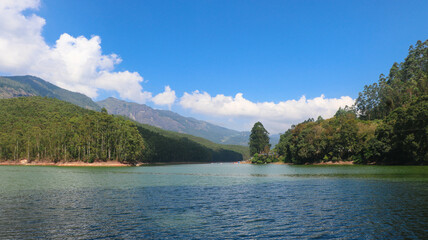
(174, 122)
(24, 86)
(167, 140)
(167, 146)
(46, 129)
(387, 125)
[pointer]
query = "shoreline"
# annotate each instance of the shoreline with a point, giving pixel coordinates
(334, 163)
(320, 163)
(24, 162)
(65, 164)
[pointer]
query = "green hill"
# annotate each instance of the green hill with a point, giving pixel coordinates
(388, 124)
(24, 86)
(167, 140)
(172, 121)
(48, 129)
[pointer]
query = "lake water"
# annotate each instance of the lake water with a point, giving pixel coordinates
(214, 201)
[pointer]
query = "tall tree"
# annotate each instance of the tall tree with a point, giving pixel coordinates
(259, 139)
(405, 82)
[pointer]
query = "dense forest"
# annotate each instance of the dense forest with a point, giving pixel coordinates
(167, 148)
(172, 121)
(37, 128)
(387, 125)
(47, 129)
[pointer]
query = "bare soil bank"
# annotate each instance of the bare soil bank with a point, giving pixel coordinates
(321, 163)
(24, 162)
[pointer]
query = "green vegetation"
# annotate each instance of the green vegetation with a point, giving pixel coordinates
(243, 150)
(167, 146)
(387, 125)
(341, 138)
(405, 82)
(171, 121)
(402, 138)
(46, 129)
(264, 158)
(259, 139)
(24, 86)
(259, 145)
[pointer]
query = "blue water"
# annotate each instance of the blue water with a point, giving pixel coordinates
(214, 201)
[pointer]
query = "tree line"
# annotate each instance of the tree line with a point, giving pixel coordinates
(387, 125)
(47, 129)
(166, 146)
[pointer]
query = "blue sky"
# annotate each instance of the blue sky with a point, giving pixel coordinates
(289, 48)
(270, 51)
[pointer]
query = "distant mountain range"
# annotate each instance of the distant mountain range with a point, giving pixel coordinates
(21, 86)
(25, 86)
(174, 122)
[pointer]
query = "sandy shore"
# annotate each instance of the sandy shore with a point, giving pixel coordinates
(321, 163)
(168, 163)
(335, 163)
(65, 164)
(24, 162)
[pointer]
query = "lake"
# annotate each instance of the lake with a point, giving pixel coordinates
(214, 201)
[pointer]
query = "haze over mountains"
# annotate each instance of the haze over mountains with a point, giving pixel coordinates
(19, 86)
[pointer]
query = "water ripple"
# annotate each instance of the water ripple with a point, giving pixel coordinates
(320, 207)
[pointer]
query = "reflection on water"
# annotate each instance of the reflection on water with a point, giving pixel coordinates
(214, 201)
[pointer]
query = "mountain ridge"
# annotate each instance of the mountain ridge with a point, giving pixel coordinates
(27, 86)
(172, 121)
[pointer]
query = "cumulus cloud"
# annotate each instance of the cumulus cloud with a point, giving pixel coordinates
(276, 116)
(166, 98)
(73, 63)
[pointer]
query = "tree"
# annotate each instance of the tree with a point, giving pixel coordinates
(405, 82)
(387, 125)
(259, 139)
(402, 137)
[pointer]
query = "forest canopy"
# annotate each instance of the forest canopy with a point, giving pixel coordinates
(37, 128)
(387, 125)
(47, 129)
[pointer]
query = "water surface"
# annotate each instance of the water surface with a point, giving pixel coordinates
(200, 201)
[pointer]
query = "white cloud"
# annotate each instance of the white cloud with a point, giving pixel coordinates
(74, 63)
(275, 116)
(125, 84)
(166, 98)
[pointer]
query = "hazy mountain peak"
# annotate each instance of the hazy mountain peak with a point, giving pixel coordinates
(24, 86)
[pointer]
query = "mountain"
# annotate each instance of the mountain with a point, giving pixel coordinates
(274, 139)
(174, 122)
(25, 86)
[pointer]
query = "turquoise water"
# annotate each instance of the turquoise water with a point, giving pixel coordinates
(214, 201)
